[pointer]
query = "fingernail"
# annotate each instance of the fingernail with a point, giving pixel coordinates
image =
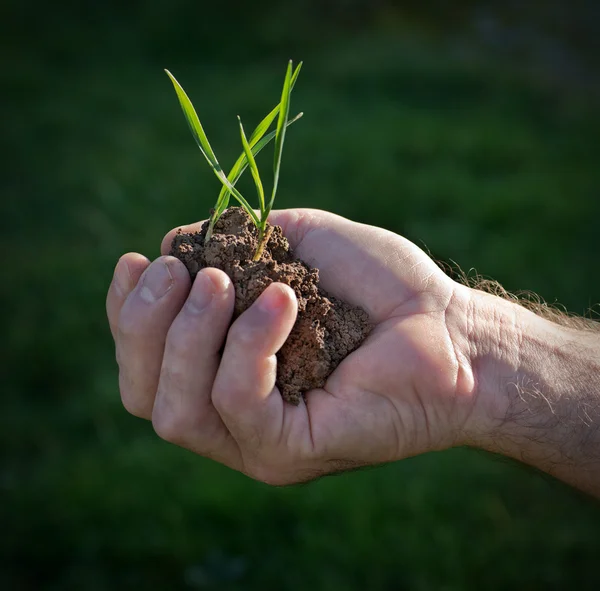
(121, 278)
(272, 299)
(201, 294)
(157, 282)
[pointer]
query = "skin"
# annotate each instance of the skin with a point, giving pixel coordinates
(444, 366)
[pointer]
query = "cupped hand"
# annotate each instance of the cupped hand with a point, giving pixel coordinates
(210, 386)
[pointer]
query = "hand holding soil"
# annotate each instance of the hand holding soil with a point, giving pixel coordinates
(209, 385)
(290, 344)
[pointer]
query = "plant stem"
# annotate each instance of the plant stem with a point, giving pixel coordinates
(263, 238)
(209, 232)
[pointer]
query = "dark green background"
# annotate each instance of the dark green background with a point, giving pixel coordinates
(471, 129)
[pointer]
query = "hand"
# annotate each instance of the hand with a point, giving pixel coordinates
(408, 389)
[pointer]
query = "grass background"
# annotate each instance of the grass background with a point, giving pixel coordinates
(471, 129)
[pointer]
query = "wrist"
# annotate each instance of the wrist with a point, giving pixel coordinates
(537, 386)
(494, 343)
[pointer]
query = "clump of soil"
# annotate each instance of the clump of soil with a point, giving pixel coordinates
(326, 330)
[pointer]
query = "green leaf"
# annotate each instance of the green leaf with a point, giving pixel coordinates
(194, 123)
(240, 166)
(284, 112)
(205, 148)
(264, 125)
(253, 168)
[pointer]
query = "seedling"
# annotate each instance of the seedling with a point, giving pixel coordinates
(326, 328)
(251, 147)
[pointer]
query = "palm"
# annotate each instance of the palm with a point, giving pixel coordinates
(385, 389)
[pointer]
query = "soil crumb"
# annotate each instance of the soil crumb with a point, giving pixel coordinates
(326, 330)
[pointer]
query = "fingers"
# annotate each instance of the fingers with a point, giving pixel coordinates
(244, 391)
(183, 412)
(127, 273)
(142, 327)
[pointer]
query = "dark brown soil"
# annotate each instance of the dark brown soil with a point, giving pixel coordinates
(327, 329)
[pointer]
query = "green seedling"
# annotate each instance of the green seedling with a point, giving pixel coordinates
(251, 147)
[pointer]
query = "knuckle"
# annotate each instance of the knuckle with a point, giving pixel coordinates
(231, 392)
(133, 404)
(224, 399)
(175, 422)
(270, 475)
(238, 382)
(129, 325)
(177, 383)
(244, 333)
(170, 426)
(183, 338)
(134, 407)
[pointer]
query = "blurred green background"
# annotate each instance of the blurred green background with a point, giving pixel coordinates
(470, 127)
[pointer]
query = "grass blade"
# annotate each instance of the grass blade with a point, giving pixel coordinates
(253, 168)
(204, 145)
(284, 111)
(255, 139)
(264, 125)
(240, 166)
(194, 123)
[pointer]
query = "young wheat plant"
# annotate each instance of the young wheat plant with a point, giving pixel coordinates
(258, 140)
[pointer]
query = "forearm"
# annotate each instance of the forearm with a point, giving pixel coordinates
(537, 390)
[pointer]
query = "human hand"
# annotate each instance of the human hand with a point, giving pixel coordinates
(408, 389)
